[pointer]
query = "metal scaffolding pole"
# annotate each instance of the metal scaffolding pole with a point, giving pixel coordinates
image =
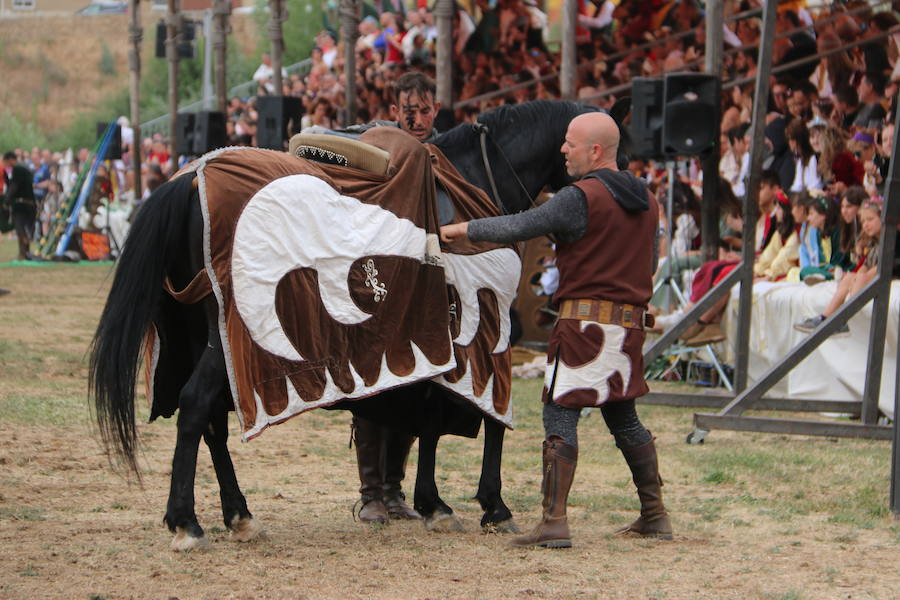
(757, 152)
(709, 225)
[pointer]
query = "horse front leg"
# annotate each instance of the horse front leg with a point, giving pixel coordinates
(194, 408)
(236, 515)
(437, 515)
(497, 516)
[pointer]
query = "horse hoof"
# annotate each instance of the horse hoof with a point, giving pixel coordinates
(246, 529)
(444, 523)
(185, 542)
(507, 526)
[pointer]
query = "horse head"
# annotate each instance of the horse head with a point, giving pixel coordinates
(522, 143)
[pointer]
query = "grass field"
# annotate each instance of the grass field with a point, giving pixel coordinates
(756, 515)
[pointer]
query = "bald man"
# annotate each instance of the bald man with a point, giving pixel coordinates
(605, 227)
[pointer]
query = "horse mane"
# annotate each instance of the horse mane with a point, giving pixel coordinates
(535, 119)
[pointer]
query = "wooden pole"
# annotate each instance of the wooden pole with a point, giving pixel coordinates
(443, 12)
(709, 226)
(350, 13)
(567, 69)
(135, 35)
(221, 14)
(173, 17)
(276, 35)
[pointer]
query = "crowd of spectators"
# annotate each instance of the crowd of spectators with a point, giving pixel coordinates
(824, 129)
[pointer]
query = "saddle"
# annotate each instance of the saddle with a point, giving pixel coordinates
(342, 151)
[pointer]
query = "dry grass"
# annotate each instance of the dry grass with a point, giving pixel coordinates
(756, 516)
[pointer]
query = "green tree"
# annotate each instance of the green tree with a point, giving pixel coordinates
(305, 20)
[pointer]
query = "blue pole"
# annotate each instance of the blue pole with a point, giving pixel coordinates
(85, 191)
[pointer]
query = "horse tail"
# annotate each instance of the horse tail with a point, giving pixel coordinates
(156, 237)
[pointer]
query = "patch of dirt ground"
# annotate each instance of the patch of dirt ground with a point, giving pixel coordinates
(756, 516)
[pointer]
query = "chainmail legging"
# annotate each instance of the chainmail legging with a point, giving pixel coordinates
(621, 419)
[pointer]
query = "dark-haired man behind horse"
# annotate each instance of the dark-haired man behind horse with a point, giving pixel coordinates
(381, 453)
(605, 225)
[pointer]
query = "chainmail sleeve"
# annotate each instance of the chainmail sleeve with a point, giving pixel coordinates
(565, 216)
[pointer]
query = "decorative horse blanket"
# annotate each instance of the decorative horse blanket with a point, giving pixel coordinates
(332, 285)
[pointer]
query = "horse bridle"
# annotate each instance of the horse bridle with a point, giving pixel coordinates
(483, 132)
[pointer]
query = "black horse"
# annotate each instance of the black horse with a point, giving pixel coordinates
(522, 145)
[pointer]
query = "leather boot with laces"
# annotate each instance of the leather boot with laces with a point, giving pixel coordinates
(559, 460)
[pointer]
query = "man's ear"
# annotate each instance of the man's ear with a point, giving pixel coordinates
(437, 105)
(395, 111)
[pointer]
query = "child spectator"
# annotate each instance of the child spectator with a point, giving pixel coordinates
(866, 269)
(820, 248)
(783, 251)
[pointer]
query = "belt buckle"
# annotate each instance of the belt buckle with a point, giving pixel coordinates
(584, 309)
(627, 317)
(649, 320)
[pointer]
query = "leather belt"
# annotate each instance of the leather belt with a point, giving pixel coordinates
(604, 311)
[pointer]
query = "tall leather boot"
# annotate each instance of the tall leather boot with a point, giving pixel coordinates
(654, 520)
(396, 451)
(559, 461)
(369, 461)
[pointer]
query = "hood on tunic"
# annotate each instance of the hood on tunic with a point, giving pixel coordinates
(629, 191)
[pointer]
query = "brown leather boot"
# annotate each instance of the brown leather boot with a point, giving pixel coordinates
(654, 520)
(368, 458)
(560, 459)
(396, 450)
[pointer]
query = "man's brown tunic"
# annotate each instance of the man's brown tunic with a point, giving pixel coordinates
(590, 362)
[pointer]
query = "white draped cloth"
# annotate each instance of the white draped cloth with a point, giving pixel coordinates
(836, 370)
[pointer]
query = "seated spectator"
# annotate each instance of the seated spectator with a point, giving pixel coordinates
(783, 251)
(871, 92)
(865, 271)
(820, 243)
(851, 201)
(806, 176)
(735, 163)
(708, 329)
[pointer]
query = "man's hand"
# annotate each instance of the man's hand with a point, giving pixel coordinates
(456, 231)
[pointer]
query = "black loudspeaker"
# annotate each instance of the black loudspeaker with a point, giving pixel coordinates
(184, 134)
(279, 117)
(161, 39)
(690, 114)
(114, 150)
(209, 131)
(185, 46)
(646, 117)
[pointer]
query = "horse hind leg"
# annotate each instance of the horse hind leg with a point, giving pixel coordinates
(206, 384)
(436, 514)
(497, 517)
(235, 514)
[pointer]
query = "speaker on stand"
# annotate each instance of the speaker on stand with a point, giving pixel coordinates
(690, 114)
(209, 132)
(278, 117)
(184, 138)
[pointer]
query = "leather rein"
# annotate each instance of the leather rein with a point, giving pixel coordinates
(483, 135)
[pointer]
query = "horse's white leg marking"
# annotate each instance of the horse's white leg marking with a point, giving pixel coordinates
(184, 542)
(246, 530)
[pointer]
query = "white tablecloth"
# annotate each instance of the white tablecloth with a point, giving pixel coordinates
(837, 368)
